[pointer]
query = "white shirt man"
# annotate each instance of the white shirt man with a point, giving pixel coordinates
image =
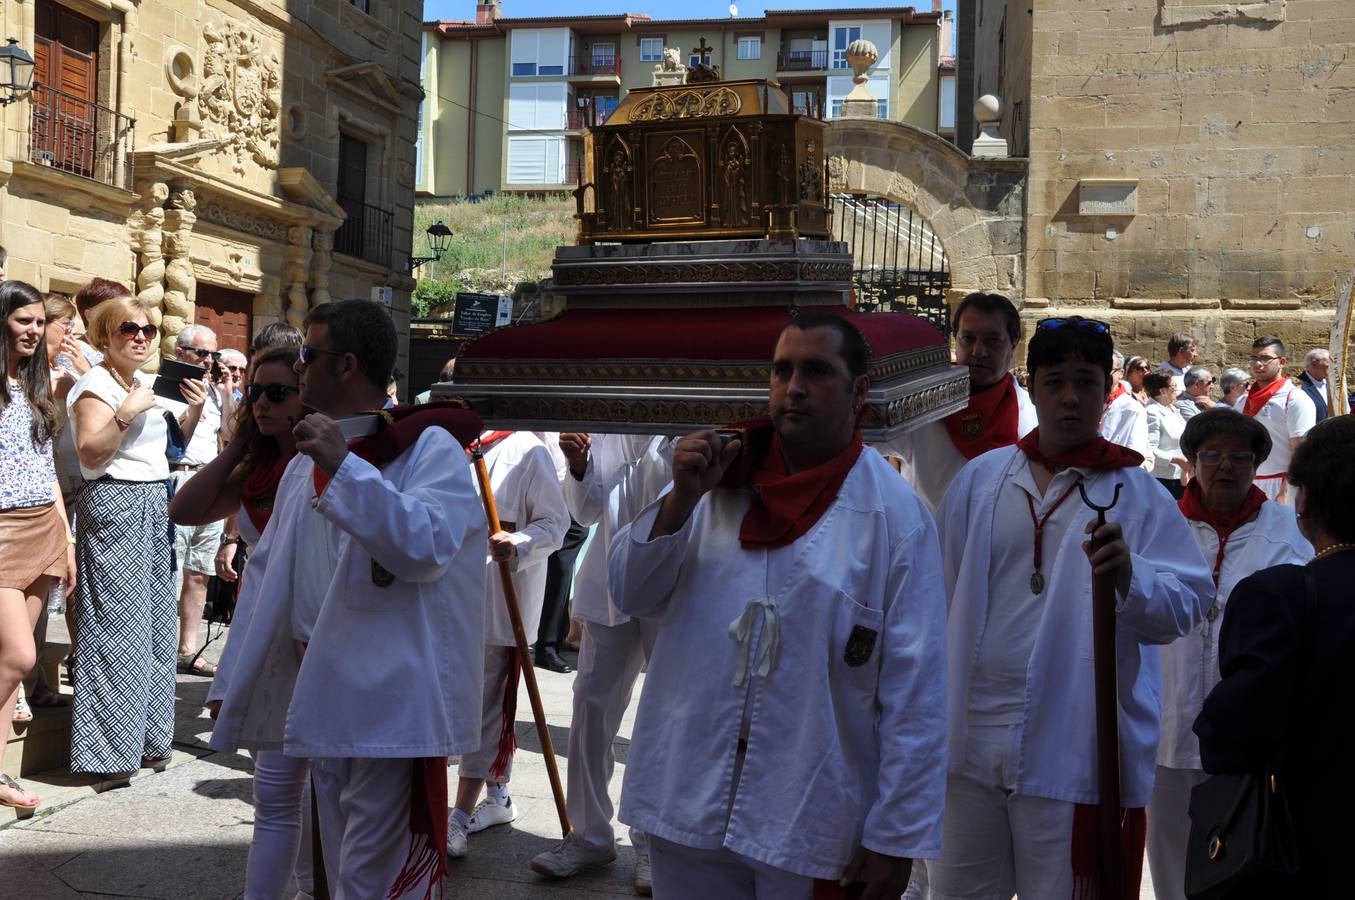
(987, 329)
(612, 477)
(1181, 352)
(533, 520)
(1021, 666)
(1282, 407)
(789, 726)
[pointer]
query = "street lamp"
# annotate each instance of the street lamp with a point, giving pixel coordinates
(16, 73)
(439, 238)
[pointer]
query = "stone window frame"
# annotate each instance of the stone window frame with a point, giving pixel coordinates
(380, 145)
(1175, 13)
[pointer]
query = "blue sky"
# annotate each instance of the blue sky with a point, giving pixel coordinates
(659, 9)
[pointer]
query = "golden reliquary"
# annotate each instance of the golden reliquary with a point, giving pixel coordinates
(711, 160)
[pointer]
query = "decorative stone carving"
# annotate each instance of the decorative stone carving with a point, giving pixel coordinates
(321, 262)
(180, 279)
(619, 200)
(670, 70)
(296, 260)
(860, 103)
(837, 174)
(219, 214)
(239, 96)
(693, 104)
(181, 72)
(988, 113)
(734, 163)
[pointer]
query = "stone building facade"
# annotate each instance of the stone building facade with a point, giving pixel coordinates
(1190, 161)
(236, 161)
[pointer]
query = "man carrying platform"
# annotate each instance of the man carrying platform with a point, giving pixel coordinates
(987, 329)
(789, 734)
(1021, 796)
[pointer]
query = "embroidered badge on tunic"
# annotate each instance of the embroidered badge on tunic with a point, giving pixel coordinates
(860, 646)
(971, 426)
(380, 576)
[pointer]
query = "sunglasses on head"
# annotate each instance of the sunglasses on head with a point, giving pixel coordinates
(130, 330)
(275, 392)
(1094, 326)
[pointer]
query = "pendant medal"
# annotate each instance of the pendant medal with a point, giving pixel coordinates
(1036, 582)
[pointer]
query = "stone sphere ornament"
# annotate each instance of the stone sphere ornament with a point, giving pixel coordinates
(861, 55)
(988, 108)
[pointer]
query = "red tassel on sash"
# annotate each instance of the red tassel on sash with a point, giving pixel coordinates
(427, 860)
(508, 738)
(1086, 851)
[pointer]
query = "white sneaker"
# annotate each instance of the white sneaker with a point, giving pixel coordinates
(489, 813)
(570, 857)
(644, 885)
(456, 838)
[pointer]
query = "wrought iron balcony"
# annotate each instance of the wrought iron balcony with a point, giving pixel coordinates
(595, 64)
(366, 233)
(801, 60)
(80, 136)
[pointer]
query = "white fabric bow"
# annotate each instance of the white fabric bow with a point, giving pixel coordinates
(741, 630)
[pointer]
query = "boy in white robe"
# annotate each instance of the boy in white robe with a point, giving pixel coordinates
(788, 737)
(1281, 406)
(1022, 784)
(533, 520)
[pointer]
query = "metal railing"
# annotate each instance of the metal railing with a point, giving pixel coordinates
(80, 136)
(366, 233)
(583, 117)
(595, 64)
(801, 60)
(573, 172)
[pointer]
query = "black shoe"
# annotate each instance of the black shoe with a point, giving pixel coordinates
(550, 658)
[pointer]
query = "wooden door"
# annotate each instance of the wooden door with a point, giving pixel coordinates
(229, 313)
(66, 63)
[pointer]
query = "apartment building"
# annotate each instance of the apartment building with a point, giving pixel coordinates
(508, 100)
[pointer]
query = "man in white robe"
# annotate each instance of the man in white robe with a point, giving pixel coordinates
(1022, 784)
(386, 681)
(1281, 406)
(533, 520)
(788, 739)
(612, 477)
(987, 329)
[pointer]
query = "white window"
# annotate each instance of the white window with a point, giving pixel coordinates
(537, 107)
(539, 51)
(604, 54)
(842, 37)
(750, 48)
(536, 160)
(651, 49)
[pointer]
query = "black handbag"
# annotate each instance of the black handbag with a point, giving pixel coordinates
(1240, 827)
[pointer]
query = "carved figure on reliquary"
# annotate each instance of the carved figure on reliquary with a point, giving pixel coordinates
(734, 181)
(619, 202)
(783, 171)
(240, 97)
(676, 184)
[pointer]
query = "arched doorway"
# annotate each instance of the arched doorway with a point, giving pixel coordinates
(899, 263)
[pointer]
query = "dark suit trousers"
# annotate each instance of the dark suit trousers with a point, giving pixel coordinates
(559, 580)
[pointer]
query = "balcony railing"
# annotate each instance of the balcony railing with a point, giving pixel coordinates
(801, 60)
(573, 172)
(595, 64)
(580, 118)
(366, 233)
(80, 136)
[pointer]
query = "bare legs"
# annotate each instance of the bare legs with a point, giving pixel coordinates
(18, 616)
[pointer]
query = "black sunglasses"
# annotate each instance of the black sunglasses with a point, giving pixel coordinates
(130, 330)
(308, 353)
(1095, 326)
(203, 354)
(276, 393)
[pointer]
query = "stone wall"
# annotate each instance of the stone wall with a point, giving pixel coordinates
(1191, 168)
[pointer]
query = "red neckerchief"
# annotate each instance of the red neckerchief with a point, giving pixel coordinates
(261, 488)
(784, 507)
(1116, 393)
(402, 426)
(1257, 396)
(989, 421)
(1192, 507)
(1085, 850)
(1097, 453)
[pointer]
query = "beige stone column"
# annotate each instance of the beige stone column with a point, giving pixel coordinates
(296, 261)
(180, 281)
(321, 263)
(149, 232)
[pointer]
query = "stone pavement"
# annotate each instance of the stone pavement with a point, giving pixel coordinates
(183, 834)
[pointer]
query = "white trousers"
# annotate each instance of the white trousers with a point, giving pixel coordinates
(1169, 830)
(610, 659)
(364, 824)
(996, 842)
(684, 873)
(478, 762)
(281, 845)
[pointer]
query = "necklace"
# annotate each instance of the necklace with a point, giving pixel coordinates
(122, 383)
(1037, 577)
(1330, 549)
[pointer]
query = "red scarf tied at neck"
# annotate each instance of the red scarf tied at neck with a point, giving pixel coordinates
(1192, 506)
(784, 506)
(1097, 453)
(1257, 396)
(989, 421)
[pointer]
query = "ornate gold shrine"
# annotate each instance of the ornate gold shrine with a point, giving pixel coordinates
(724, 159)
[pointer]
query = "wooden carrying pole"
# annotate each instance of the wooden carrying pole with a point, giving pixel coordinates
(510, 596)
(1111, 881)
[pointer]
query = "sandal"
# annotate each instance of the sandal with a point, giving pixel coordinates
(22, 711)
(10, 784)
(49, 699)
(193, 664)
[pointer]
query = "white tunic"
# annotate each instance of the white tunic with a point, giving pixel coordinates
(626, 472)
(522, 476)
(1190, 665)
(1165, 600)
(1126, 423)
(930, 459)
(1289, 413)
(1165, 424)
(391, 671)
(838, 755)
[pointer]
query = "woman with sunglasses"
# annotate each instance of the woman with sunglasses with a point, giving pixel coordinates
(240, 485)
(1136, 368)
(127, 623)
(34, 546)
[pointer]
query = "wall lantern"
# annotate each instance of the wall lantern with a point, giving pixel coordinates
(16, 73)
(439, 239)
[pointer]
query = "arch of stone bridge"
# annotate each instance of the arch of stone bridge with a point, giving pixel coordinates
(973, 205)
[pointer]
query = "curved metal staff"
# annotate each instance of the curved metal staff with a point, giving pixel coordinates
(510, 596)
(1111, 881)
